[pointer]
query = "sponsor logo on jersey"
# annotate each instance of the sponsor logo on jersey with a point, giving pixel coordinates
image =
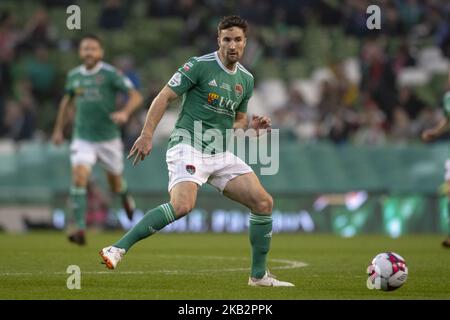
(212, 83)
(238, 90)
(190, 168)
(175, 81)
(99, 79)
(218, 101)
(225, 86)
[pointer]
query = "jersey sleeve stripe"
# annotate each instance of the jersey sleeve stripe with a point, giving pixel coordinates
(244, 70)
(184, 74)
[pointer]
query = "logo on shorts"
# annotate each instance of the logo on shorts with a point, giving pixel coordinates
(190, 168)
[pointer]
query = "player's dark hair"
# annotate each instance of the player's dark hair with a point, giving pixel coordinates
(232, 21)
(91, 37)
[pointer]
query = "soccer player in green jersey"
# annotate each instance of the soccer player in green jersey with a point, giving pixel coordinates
(93, 87)
(434, 133)
(215, 89)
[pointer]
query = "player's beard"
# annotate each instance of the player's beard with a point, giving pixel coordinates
(90, 62)
(233, 58)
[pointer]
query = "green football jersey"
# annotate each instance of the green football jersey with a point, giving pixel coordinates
(212, 94)
(95, 99)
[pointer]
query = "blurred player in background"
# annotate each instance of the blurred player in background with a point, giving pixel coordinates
(215, 90)
(434, 133)
(93, 88)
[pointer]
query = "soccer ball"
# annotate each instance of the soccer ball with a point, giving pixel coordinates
(387, 272)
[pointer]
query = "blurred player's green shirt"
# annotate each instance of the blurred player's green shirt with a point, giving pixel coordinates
(446, 103)
(95, 99)
(210, 93)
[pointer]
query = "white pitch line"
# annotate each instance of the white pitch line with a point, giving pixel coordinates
(288, 264)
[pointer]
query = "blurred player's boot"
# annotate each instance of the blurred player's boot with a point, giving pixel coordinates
(111, 256)
(268, 280)
(128, 205)
(446, 243)
(78, 237)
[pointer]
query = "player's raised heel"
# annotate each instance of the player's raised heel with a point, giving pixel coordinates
(268, 280)
(111, 256)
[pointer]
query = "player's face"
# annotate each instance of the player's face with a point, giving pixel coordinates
(231, 44)
(91, 52)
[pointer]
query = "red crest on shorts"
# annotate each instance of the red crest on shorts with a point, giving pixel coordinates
(190, 168)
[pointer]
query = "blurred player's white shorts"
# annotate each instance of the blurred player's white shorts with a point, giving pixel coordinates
(108, 153)
(185, 163)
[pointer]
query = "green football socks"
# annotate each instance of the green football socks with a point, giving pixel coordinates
(153, 221)
(260, 233)
(78, 204)
(448, 217)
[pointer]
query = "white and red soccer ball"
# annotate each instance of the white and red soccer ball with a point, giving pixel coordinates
(388, 271)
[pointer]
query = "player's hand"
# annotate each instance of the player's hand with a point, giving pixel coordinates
(119, 117)
(57, 138)
(261, 122)
(141, 148)
(428, 135)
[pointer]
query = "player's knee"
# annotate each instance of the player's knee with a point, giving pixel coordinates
(182, 208)
(116, 188)
(80, 180)
(264, 205)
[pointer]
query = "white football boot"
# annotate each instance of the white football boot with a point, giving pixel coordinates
(268, 280)
(111, 256)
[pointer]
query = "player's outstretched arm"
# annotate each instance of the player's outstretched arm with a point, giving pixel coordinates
(133, 103)
(57, 136)
(143, 144)
(437, 131)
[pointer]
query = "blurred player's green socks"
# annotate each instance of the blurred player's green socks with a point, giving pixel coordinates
(153, 221)
(79, 202)
(448, 217)
(124, 192)
(260, 232)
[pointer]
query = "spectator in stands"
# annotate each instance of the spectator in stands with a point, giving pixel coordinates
(38, 31)
(401, 128)
(373, 120)
(298, 116)
(409, 101)
(112, 15)
(42, 74)
(19, 120)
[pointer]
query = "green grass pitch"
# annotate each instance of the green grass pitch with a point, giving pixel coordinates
(215, 266)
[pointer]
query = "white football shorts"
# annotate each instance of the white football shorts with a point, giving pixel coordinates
(185, 163)
(108, 153)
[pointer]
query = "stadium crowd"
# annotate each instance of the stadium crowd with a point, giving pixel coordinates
(373, 110)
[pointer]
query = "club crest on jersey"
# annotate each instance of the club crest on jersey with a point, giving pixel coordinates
(187, 66)
(190, 168)
(238, 90)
